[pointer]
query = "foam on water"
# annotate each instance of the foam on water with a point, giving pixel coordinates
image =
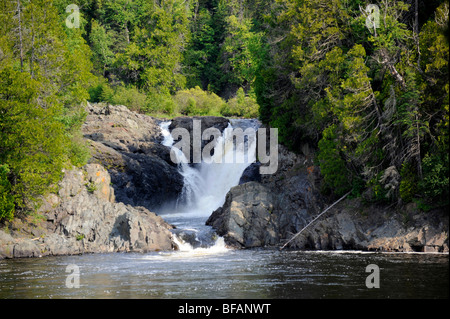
(205, 186)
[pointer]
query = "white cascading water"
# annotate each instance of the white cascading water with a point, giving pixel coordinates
(205, 186)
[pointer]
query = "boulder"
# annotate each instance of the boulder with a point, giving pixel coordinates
(251, 174)
(206, 122)
(246, 219)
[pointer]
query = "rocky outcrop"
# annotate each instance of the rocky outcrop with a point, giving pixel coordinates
(84, 218)
(271, 212)
(354, 225)
(246, 219)
(206, 122)
(251, 174)
(128, 145)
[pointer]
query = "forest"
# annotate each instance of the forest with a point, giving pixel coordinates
(363, 83)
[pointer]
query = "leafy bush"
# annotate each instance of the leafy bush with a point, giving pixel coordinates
(101, 92)
(332, 166)
(241, 106)
(79, 153)
(158, 103)
(130, 97)
(195, 101)
(73, 119)
(379, 192)
(33, 142)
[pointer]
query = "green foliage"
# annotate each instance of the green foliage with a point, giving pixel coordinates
(241, 106)
(202, 50)
(236, 58)
(408, 184)
(332, 165)
(378, 191)
(100, 92)
(195, 101)
(101, 43)
(77, 150)
(130, 97)
(372, 100)
(6, 199)
(152, 59)
(91, 187)
(158, 103)
(44, 72)
(435, 183)
(33, 142)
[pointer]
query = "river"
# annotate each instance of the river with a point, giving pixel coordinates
(256, 273)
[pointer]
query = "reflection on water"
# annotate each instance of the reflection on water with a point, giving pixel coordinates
(224, 273)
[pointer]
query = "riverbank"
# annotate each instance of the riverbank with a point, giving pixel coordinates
(109, 205)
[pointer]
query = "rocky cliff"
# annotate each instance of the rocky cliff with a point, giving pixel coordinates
(270, 212)
(84, 218)
(128, 145)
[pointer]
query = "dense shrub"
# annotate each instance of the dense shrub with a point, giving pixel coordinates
(435, 183)
(332, 165)
(195, 101)
(408, 184)
(130, 97)
(159, 104)
(241, 106)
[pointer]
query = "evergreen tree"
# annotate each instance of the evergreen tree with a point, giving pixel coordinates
(43, 78)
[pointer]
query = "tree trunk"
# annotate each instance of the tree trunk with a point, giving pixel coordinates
(127, 33)
(20, 35)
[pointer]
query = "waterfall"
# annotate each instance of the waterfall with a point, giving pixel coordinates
(207, 184)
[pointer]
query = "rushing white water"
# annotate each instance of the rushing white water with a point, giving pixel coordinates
(206, 185)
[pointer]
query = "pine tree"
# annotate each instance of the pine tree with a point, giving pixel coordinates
(32, 142)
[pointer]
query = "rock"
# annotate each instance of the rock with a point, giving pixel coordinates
(26, 248)
(205, 122)
(128, 145)
(376, 229)
(293, 195)
(99, 225)
(6, 245)
(87, 220)
(251, 174)
(246, 219)
(11, 247)
(99, 182)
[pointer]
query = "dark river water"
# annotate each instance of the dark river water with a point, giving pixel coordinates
(222, 273)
